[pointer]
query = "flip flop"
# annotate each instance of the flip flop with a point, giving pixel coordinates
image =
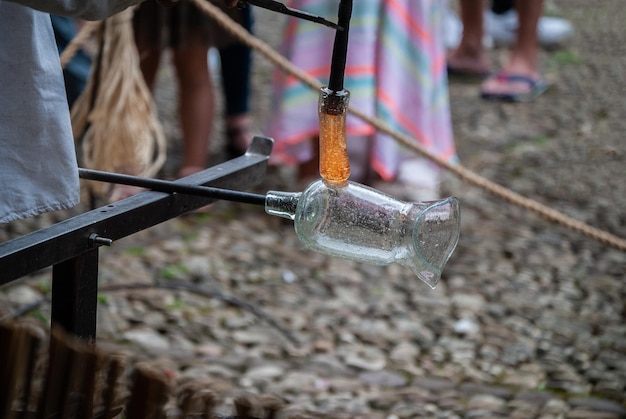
(535, 88)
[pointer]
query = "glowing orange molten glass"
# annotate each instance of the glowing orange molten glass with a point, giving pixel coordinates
(332, 111)
(334, 163)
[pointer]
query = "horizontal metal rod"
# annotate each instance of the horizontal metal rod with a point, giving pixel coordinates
(172, 187)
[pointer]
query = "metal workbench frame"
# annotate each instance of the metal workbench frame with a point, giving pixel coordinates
(71, 246)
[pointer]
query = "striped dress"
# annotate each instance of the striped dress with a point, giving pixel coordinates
(395, 70)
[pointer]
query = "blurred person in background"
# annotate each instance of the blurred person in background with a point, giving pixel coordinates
(395, 70)
(519, 80)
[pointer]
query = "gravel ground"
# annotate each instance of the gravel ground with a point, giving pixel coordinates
(528, 321)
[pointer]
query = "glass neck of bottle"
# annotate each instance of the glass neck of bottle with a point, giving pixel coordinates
(282, 204)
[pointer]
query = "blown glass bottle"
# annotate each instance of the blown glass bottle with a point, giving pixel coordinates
(360, 223)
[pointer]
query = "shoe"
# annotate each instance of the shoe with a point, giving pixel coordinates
(552, 32)
(535, 88)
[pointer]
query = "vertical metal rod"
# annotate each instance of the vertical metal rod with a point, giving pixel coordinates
(340, 48)
(75, 294)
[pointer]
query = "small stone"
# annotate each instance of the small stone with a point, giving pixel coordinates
(251, 337)
(516, 353)
(535, 398)
(404, 353)
(210, 371)
(466, 327)
(23, 295)
(265, 372)
(297, 381)
(582, 413)
(481, 389)
(598, 405)
(521, 379)
(147, 338)
(383, 378)
(209, 349)
(198, 266)
(471, 302)
(434, 383)
(322, 345)
(342, 385)
(366, 358)
(485, 402)
(289, 276)
(555, 407)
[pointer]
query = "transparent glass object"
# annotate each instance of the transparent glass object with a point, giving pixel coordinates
(357, 222)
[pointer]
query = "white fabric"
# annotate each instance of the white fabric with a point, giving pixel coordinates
(38, 169)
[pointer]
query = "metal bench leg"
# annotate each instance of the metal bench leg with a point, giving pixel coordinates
(75, 294)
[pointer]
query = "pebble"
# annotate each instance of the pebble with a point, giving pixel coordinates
(147, 339)
(365, 358)
(22, 295)
(383, 378)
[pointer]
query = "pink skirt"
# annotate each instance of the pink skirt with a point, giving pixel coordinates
(395, 71)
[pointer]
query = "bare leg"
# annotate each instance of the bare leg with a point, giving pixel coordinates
(522, 60)
(236, 66)
(196, 105)
(470, 55)
(523, 56)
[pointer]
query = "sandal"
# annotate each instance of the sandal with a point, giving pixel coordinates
(535, 87)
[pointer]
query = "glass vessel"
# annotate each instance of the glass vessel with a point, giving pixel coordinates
(357, 222)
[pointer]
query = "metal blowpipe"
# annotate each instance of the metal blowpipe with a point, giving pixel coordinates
(276, 6)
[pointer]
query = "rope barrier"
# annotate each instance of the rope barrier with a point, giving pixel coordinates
(461, 172)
